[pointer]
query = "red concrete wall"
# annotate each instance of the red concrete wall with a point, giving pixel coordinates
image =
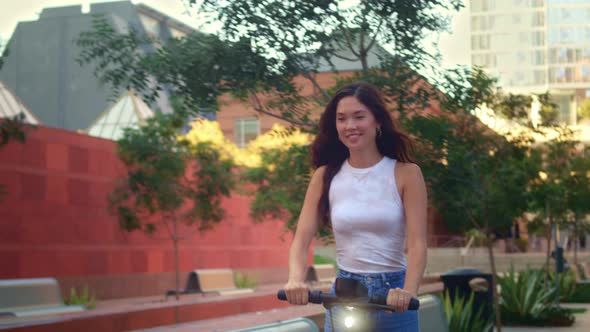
(54, 222)
(150, 317)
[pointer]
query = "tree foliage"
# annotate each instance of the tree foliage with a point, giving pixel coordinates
(4, 52)
(263, 46)
(549, 109)
(514, 106)
(281, 181)
(169, 183)
(12, 129)
(264, 52)
(477, 178)
(159, 181)
(584, 110)
(486, 173)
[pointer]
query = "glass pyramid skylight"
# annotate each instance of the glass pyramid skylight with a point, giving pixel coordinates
(128, 112)
(11, 106)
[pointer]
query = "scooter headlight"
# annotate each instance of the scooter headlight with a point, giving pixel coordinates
(352, 319)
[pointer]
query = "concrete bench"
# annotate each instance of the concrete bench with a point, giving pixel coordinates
(432, 315)
(33, 297)
(321, 273)
(219, 281)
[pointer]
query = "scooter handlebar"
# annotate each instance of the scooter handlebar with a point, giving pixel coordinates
(318, 297)
(382, 300)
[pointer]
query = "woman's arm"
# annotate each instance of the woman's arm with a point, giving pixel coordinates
(415, 205)
(307, 226)
(414, 198)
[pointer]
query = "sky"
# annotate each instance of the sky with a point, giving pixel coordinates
(453, 46)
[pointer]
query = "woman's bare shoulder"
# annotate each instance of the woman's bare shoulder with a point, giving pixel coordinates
(318, 175)
(408, 170)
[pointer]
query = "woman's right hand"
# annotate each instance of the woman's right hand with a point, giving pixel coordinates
(297, 292)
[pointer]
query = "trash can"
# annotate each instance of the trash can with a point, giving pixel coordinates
(462, 282)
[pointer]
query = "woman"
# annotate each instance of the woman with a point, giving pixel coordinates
(368, 191)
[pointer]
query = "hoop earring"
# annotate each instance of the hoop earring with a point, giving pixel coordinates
(378, 132)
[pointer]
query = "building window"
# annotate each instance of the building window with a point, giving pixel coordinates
(245, 130)
(177, 33)
(151, 25)
(516, 19)
(481, 42)
(566, 35)
(538, 19)
(539, 58)
(539, 77)
(538, 38)
(482, 5)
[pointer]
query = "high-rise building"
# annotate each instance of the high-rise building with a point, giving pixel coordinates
(534, 46)
(41, 67)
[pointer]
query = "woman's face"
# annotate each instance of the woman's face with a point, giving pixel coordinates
(355, 123)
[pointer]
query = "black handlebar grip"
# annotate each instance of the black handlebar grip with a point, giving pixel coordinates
(382, 300)
(313, 297)
(414, 304)
(281, 295)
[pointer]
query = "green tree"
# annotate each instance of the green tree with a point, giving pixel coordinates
(584, 110)
(560, 194)
(169, 183)
(262, 47)
(281, 181)
(477, 178)
(12, 129)
(514, 106)
(548, 192)
(578, 184)
(549, 110)
(4, 51)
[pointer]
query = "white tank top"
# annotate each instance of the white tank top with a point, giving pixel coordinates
(368, 218)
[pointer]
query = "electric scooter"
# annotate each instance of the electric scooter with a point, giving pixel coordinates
(352, 297)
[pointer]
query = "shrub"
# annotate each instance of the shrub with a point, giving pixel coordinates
(525, 300)
(462, 316)
(569, 290)
(89, 301)
(479, 237)
(243, 281)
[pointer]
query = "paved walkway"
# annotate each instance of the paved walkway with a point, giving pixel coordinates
(224, 324)
(582, 323)
(244, 320)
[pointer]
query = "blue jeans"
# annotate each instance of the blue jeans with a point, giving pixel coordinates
(376, 283)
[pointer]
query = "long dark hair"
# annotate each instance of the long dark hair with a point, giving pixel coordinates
(328, 150)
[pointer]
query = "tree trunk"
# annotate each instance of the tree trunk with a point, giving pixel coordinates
(364, 62)
(576, 240)
(496, 298)
(176, 269)
(548, 238)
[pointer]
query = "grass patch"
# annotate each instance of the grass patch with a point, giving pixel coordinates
(244, 281)
(576, 311)
(324, 260)
(84, 298)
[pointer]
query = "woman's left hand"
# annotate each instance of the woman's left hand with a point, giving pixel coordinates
(399, 299)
